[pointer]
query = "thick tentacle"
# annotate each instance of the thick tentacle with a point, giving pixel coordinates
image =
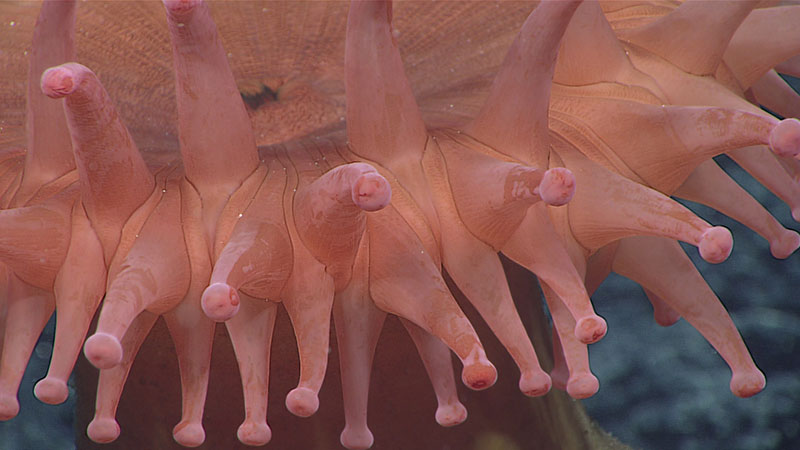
(663, 314)
(790, 67)
(638, 210)
(710, 185)
(333, 206)
(358, 326)
(537, 247)
(217, 142)
(154, 276)
(695, 35)
(308, 299)
(591, 53)
(114, 178)
(405, 281)
(251, 336)
(514, 117)
(775, 94)
(49, 153)
(257, 256)
(436, 358)
(78, 289)
(192, 333)
(474, 265)
(491, 196)
(672, 140)
(35, 241)
(29, 308)
(645, 260)
(571, 369)
(766, 168)
(104, 427)
(767, 37)
(383, 121)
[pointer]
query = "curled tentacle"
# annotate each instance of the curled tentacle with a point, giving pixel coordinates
(404, 281)
(334, 205)
(104, 427)
(96, 129)
(153, 276)
(29, 308)
(645, 260)
(257, 256)
(639, 210)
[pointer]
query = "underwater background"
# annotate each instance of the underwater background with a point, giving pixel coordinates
(660, 388)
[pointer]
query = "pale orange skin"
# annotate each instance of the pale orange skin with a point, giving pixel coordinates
(359, 224)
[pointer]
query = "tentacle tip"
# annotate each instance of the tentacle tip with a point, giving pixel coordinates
(254, 433)
(103, 430)
(103, 350)
(535, 383)
(796, 214)
(302, 402)
(180, 6)
(51, 391)
(59, 81)
(716, 245)
(479, 376)
(557, 186)
(220, 302)
(785, 245)
(189, 434)
(582, 386)
(371, 192)
(666, 318)
(784, 139)
(748, 384)
(9, 407)
(590, 329)
(451, 414)
(356, 438)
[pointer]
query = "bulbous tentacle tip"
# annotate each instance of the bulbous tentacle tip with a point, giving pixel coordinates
(103, 430)
(180, 6)
(220, 302)
(716, 245)
(103, 350)
(189, 434)
(356, 438)
(535, 383)
(302, 402)
(796, 214)
(51, 391)
(582, 386)
(371, 192)
(557, 186)
(747, 384)
(451, 414)
(666, 318)
(590, 329)
(254, 433)
(9, 407)
(784, 139)
(479, 375)
(785, 245)
(60, 81)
